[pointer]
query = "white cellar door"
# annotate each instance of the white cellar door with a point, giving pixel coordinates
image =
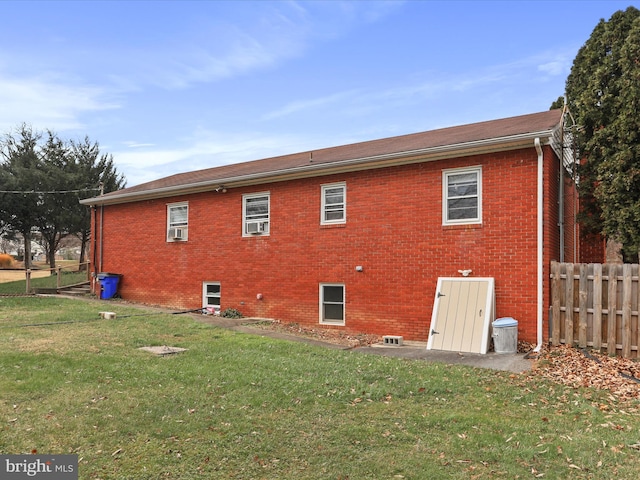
(462, 314)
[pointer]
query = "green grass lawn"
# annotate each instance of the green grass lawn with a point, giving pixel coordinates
(247, 407)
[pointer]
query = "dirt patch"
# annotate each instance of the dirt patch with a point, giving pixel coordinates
(16, 275)
(336, 337)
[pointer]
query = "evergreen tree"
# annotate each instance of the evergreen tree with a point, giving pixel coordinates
(41, 186)
(58, 204)
(603, 91)
(91, 168)
(21, 177)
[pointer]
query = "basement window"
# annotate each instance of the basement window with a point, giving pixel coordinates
(177, 222)
(462, 196)
(332, 303)
(211, 297)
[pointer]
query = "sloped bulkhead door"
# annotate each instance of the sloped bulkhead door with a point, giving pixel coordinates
(462, 314)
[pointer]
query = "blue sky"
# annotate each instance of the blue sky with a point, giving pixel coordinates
(168, 87)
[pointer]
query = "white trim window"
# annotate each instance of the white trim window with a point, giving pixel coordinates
(334, 204)
(332, 303)
(255, 214)
(462, 196)
(211, 297)
(177, 222)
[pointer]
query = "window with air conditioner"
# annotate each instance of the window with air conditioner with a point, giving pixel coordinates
(177, 222)
(255, 214)
(334, 204)
(462, 196)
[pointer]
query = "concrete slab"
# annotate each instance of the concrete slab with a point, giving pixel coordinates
(516, 363)
(163, 350)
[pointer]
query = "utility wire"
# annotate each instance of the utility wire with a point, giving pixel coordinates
(98, 319)
(22, 192)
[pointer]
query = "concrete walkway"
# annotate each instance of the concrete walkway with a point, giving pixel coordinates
(516, 363)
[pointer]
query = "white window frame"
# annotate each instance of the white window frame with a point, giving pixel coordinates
(446, 175)
(260, 222)
(327, 208)
(206, 305)
(323, 320)
(173, 225)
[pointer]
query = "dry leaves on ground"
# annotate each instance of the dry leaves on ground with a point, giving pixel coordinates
(582, 368)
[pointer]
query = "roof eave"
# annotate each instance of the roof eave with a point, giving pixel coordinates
(320, 169)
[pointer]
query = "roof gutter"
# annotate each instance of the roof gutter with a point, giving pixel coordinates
(317, 169)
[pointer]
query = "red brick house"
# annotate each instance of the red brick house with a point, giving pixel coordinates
(356, 236)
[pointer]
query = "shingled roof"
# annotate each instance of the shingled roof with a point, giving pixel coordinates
(482, 137)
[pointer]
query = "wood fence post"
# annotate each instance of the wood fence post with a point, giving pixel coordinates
(637, 339)
(582, 331)
(27, 274)
(568, 312)
(611, 309)
(626, 310)
(555, 299)
(597, 306)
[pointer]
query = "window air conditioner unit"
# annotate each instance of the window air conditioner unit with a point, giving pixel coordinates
(176, 233)
(255, 228)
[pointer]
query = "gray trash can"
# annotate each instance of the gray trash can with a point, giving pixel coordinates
(505, 335)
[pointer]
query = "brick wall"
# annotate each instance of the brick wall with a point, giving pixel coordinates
(394, 231)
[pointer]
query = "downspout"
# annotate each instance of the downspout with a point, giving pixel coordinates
(94, 239)
(561, 186)
(101, 239)
(101, 225)
(540, 309)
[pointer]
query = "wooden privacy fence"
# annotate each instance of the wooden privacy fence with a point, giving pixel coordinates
(596, 305)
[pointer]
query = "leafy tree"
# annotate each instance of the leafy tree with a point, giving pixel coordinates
(603, 91)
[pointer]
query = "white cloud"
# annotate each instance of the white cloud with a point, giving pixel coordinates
(436, 85)
(556, 67)
(313, 103)
(204, 149)
(48, 102)
(133, 144)
(273, 33)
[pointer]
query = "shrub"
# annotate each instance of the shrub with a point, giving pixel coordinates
(231, 313)
(6, 260)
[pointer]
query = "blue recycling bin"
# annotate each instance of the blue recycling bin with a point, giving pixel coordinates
(108, 284)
